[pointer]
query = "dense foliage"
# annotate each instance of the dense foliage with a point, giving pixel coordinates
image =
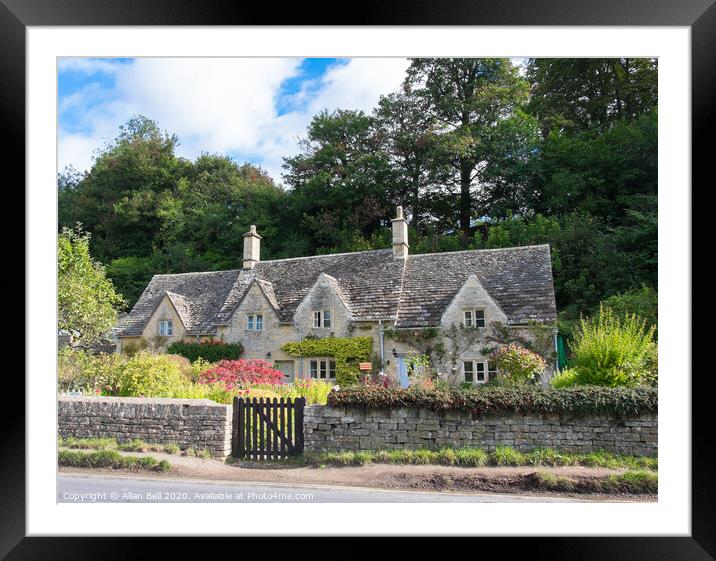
(348, 352)
(211, 351)
(86, 300)
(478, 154)
(609, 350)
(498, 399)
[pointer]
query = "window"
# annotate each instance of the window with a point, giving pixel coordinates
(255, 322)
(468, 367)
(474, 371)
(322, 369)
(322, 318)
(473, 318)
(165, 327)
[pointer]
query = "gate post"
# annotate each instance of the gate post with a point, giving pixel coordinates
(300, 402)
(236, 444)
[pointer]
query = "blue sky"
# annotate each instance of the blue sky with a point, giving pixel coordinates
(251, 109)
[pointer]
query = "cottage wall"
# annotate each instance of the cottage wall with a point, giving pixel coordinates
(323, 297)
(165, 310)
(257, 344)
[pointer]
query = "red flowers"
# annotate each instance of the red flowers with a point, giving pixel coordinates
(240, 373)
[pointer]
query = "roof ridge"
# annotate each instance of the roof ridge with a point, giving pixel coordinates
(481, 250)
(324, 255)
(197, 273)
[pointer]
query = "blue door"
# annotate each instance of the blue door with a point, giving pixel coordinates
(402, 372)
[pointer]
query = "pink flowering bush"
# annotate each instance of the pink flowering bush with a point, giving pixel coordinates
(242, 373)
(518, 366)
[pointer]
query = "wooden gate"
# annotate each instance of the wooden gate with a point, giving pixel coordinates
(265, 429)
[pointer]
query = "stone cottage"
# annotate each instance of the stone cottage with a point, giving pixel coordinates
(484, 296)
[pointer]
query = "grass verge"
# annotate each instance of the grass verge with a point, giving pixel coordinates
(628, 483)
(110, 459)
(477, 457)
(136, 445)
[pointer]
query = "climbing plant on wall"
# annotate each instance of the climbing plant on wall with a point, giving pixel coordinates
(346, 351)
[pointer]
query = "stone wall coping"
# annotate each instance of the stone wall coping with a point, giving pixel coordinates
(203, 402)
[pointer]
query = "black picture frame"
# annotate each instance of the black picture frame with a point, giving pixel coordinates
(699, 15)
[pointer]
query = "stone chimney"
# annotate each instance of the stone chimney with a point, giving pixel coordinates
(400, 235)
(252, 248)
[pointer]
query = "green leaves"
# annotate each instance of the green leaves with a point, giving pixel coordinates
(496, 399)
(347, 352)
(86, 300)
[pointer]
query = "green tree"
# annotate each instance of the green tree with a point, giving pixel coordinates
(118, 199)
(407, 132)
(483, 132)
(86, 300)
(577, 94)
(338, 180)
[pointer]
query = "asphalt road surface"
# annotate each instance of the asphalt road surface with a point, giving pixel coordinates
(120, 489)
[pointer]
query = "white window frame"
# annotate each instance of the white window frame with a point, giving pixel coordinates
(166, 328)
(322, 369)
(319, 319)
(476, 367)
(470, 319)
(254, 322)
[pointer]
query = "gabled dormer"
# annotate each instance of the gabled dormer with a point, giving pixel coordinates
(171, 318)
(473, 306)
(325, 309)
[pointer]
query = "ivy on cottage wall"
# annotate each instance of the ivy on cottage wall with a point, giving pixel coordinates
(347, 352)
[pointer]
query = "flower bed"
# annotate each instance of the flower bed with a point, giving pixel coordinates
(575, 400)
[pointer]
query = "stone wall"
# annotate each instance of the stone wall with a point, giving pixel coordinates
(190, 423)
(328, 428)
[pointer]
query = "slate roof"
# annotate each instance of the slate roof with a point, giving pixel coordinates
(413, 292)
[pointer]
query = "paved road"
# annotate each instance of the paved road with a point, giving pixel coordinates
(90, 488)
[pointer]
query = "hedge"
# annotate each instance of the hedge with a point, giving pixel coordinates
(208, 350)
(347, 352)
(495, 400)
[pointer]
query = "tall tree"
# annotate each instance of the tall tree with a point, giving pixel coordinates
(476, 103)
(576, 94)
(340, 181)
(406, 130)
(118, 199)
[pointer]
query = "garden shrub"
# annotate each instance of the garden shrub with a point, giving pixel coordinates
(577, 400)
(79, 370)
(517, 365)
(564, 379)
(608, 350)
(242, 373)
(642, 302)
(210, 351)
(149, 375)
(347, 352)
(133, 347)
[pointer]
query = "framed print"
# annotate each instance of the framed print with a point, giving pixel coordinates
(417, 261)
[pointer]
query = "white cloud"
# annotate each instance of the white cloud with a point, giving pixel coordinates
(216, 105)
(88, 65)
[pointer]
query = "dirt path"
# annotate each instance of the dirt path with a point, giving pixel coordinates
(383, 476)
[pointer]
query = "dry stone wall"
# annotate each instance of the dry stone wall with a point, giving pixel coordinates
(189, 423)
(329, 428)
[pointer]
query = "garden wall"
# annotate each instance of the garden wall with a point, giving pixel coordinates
(190, 423)
(348, 428)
